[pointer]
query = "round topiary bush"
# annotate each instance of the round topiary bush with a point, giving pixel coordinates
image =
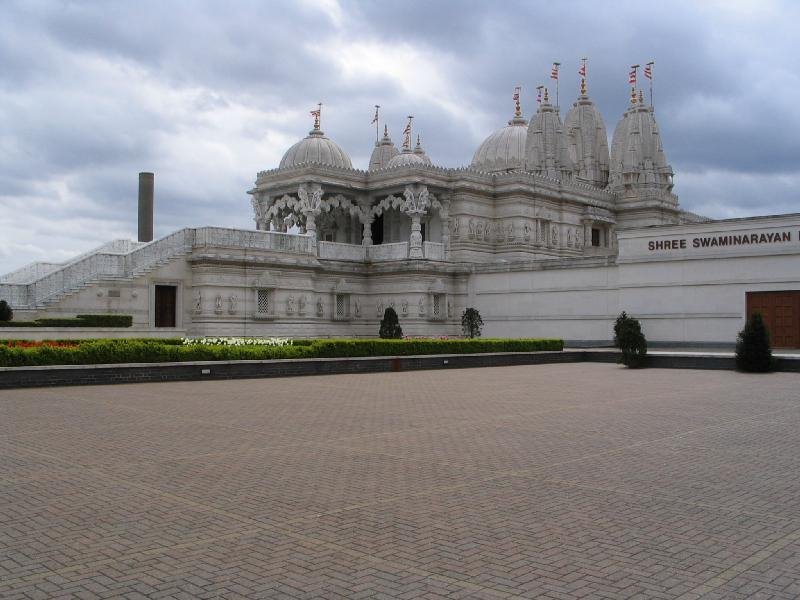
(390, 325)
(753, 351)
(6, 314)
(471, 323)
(628, 337)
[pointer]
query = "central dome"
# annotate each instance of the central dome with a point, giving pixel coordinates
(504, 150)
(316, 148)
(406, 158)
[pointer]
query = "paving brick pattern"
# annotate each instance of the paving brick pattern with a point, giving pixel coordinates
(552, 481)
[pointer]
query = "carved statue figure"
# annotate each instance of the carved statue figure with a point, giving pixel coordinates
(379, 308)
(454, 226)
(510, 231)
(290, 305)
(404, 307)
(421, 307)
(232, 300)
(356, 307)
(526, 228)
(554, 235)
(218, 304)
(471, 225)
(198, 302)
(320, 307)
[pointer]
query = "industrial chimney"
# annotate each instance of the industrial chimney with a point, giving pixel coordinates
(146, 181)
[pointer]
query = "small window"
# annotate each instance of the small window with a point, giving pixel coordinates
(595, 236)
(342, 307)
(438, 307)
(265, 304)
(328, 237)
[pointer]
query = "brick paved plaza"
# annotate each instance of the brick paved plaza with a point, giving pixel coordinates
(558, 481)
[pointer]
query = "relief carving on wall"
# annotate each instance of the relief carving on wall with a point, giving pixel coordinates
(421, 307)
(356, 307)
(218, 304)
(404, 307)
(526, 231)
(198, 302)
(232, 303)
(290, 305)
(471, 226)
(320, 307)
(301, 305)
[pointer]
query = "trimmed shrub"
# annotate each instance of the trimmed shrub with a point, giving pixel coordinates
(628, 337)
(6, 314)
(471, 323)
(115, 351)
(753, 351)
(390, 325)
(79, 321)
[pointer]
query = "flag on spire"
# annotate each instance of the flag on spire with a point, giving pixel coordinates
(554, 71)
(632, 74)
(648, 70)
(582, 69)
(407, 134)
(375, 118)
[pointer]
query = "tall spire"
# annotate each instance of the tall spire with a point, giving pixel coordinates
(517, 107)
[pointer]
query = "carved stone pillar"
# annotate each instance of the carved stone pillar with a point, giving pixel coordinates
(310, 196)
(366, 217)
(415, 205)
(444, 215)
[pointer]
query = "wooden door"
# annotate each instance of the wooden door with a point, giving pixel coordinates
(781, 314)
(165, 305)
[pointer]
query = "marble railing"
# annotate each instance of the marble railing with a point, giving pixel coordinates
(125, 259)
(393, 251)
(30, 272)
(338, 251)
(433, 250)
(253, 239)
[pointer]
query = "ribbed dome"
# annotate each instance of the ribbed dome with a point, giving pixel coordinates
(587, 142)
(546, 145)
(504, 150)
(406, 157)
(637, 155)
(316, 148)
(384, 151)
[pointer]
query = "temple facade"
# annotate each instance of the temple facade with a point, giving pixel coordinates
(537, 233)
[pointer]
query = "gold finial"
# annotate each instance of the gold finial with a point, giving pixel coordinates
(582, 73)
(517, 107)
(385, 130)
(316, 114)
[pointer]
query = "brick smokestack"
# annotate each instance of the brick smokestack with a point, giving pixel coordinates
(146, 182)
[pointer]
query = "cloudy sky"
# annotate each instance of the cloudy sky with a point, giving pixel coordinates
(205, 94)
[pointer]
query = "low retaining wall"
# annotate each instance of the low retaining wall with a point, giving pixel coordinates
(19, 377)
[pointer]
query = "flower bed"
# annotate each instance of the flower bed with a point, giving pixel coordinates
(114, 351)
(237, 341)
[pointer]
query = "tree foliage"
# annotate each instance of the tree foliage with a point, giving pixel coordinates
(628, 337)
(390, 325)
(753, 352)
(6, 314)
(471, 323)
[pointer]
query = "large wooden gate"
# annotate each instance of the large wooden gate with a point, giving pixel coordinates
(781, 313)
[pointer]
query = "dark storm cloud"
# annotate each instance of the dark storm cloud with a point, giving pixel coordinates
(206, 94)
